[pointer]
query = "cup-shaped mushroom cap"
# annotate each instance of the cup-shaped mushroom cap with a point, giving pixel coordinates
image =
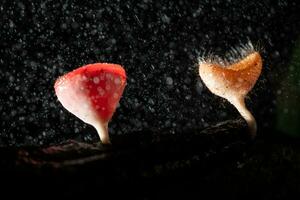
(235, 80)
(92, 92)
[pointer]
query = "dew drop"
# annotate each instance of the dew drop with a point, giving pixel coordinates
(117, 81)
(96, 80)
(107, 87)
(115, 95)
(100, 91)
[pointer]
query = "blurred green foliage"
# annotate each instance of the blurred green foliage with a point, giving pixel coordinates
(288, 97)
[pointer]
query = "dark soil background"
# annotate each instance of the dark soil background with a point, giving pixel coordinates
(159, 44)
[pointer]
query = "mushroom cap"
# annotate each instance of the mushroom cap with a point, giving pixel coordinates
(232, 81)
(92, 92)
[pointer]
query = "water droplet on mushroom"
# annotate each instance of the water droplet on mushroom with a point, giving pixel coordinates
(240, 80)
(101, 91)
(86, 105)
(102, 77)
(96, 80)
(107, 87)
(115, 95)
(84, 78)
(108, 76)
(117, 81)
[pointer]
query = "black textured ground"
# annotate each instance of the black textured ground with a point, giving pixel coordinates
(217, 161)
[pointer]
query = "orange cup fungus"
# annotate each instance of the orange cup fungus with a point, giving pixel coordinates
(233, 82)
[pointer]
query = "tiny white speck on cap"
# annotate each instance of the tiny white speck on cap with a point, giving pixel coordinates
(117, 81)
(107, 87)
(86, 105)
(101, 91)
(84, 78)
(96, 80)
(102, 77)
(115, 95)
(108, 76)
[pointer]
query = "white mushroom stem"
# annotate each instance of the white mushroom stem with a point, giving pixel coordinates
(239, 103)
(102, 130)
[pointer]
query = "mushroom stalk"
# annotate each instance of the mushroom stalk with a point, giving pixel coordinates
(240, 105)
(102, 130)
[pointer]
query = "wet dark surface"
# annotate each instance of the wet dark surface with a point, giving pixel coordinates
(142, 162)
(219, 161)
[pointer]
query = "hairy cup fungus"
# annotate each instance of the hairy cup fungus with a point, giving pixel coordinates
(234, 80)
(92, 93)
